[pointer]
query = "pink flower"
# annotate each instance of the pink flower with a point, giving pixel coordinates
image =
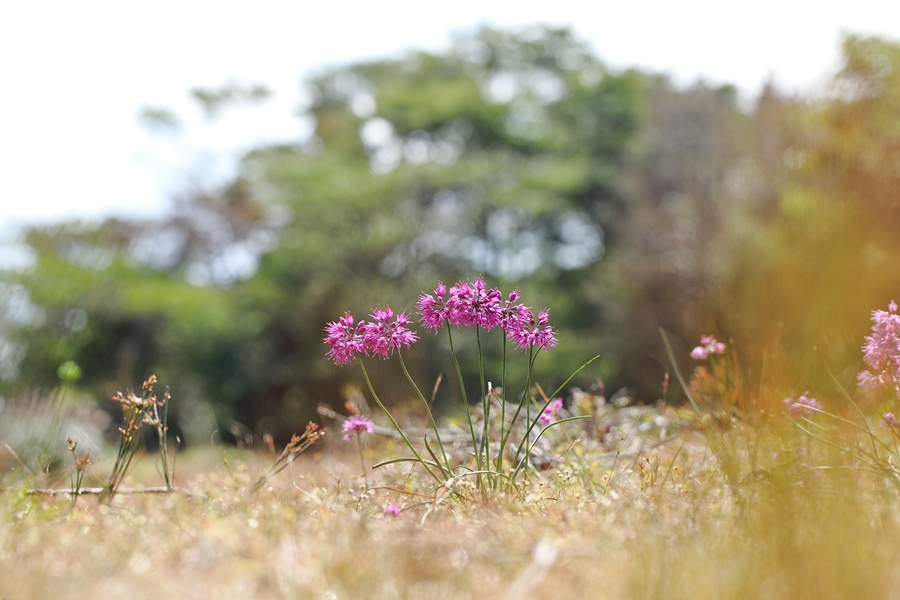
(475, 306)
(803, 405)
(512, 315)
(534, 334)
(434, 310)
(699, 353)
(356, 425)
(382, 336)
(882, 351)
(708, 345)
(392, 509)
(890, 421)
(346, 341)
(551, 412)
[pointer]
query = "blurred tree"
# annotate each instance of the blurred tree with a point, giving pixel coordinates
(616, 199)
(805, 275)
(498, 156)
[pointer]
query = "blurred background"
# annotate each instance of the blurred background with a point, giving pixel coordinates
(194, 190)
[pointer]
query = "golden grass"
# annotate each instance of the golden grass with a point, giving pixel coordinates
(664, 528)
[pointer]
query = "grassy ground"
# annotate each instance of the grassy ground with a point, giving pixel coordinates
(640, 503)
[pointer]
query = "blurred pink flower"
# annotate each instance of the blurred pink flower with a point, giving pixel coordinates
(550, 413)
(708, 345)
(804, 405)
(356, 425)
(392, 509)
(882, 351)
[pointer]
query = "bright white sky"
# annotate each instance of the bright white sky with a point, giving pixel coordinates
(73, 75)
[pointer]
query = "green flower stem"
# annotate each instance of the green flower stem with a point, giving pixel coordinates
(552, 396)
(526, 397)
(409, 444)
(485, 449)
(502, 406)
(462, 388)
(428, 410)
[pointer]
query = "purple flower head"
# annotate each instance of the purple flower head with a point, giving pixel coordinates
(346, 341)
(383, 336)
(804, 405)
(512, 315)
(551, 413)
(708, 345)
(889, 421)
(356, 425)
(392, 509)
(434, 310)
(475, 306)
(869, 381)
(534, 334)
(882, 351)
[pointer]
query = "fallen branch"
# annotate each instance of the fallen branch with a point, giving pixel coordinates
(100, 490)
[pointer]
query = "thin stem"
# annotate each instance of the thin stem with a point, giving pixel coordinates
(502, 407)
(485, 449)
(409, 444)
(362, 461)
(462, 388)
(427, 409)
(531, 358)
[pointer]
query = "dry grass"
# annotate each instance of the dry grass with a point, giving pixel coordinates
(663, 523)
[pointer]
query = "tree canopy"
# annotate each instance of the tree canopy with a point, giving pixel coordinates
(618, 200)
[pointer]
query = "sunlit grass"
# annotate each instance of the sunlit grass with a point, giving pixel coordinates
(647, 516)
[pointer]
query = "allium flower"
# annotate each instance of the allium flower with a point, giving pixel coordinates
(537, 334)
(512, 315)
(882, 351)
(392, 509)
(346, 341)
(708, 345)
(804, 405)
(890, 421)
(356, 425)
(475, 306)
(434, 310)
(382, 336)
(551, 413)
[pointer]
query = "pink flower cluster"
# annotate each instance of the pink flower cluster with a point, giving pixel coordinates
(379, 338)
(466, 305)
(882, 351)
(356, 425)
(708, 345)
(473, 305)
(551, 412)
(804, 405)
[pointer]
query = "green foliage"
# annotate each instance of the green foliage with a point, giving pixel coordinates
(621, 202)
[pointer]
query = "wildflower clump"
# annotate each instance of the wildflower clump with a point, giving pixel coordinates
(471, 305)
